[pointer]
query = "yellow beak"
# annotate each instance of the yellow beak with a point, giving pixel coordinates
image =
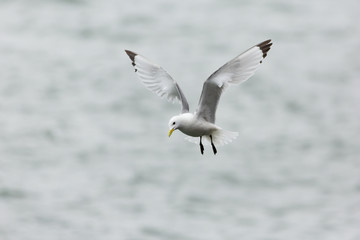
(171, 131)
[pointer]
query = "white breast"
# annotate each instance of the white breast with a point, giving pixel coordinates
(192, 126)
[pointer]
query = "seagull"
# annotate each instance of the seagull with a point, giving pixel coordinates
(201, 123)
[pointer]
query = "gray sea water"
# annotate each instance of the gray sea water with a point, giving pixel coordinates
(84, 152)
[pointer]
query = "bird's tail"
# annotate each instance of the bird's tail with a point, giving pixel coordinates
(220, 137)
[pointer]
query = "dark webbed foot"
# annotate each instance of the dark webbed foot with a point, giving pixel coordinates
(213, 146)
(201, 146)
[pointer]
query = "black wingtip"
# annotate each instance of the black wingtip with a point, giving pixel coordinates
(265, 47)
(131, 55)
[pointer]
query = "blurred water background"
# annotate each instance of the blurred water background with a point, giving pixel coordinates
(84, 152)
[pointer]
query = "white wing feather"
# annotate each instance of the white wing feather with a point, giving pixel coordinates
(236, 71)
(157, 80)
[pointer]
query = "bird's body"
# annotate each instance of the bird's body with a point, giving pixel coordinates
(202, 122)
(190, 125)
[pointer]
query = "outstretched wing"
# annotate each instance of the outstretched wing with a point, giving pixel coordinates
(236, 71)
(157, 80)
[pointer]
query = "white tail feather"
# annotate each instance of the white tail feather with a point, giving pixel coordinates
(220, 137)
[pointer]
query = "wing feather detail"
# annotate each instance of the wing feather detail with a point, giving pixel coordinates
(157, 80)
(236, 71)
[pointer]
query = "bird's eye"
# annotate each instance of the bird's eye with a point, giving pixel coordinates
(173, 123)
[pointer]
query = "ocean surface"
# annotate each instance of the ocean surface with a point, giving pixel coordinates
(84, 151)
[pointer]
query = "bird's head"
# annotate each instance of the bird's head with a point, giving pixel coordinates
(174, 124)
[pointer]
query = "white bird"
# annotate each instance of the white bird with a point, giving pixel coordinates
(202, 122)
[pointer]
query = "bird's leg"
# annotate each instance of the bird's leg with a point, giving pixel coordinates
(201, 146)
(213, 146)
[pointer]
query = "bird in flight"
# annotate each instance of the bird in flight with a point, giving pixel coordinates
(201, 123)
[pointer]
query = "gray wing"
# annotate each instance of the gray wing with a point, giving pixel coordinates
(157, 80)
(238, 70)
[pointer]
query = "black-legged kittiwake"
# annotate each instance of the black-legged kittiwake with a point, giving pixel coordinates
(202, 122)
